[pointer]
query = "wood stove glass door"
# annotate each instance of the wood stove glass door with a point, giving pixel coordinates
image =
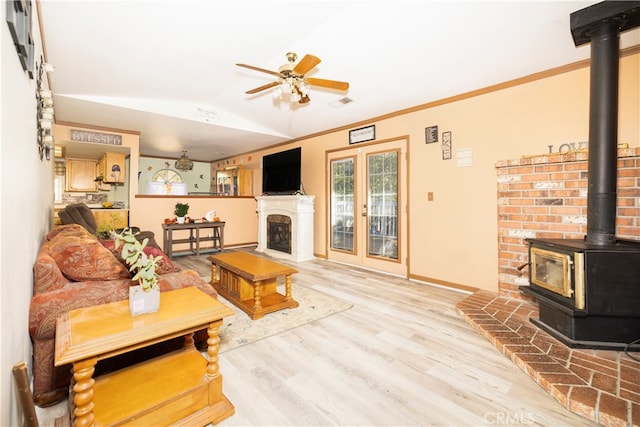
(365, 219)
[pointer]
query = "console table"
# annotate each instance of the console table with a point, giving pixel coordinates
(195, 236)
(179, 388)
(249, 282)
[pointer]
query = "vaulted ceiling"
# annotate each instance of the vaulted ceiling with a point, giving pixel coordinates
(167, 68)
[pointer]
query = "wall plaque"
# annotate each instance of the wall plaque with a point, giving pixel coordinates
(97, 137)
(367, 133)
(431, 134)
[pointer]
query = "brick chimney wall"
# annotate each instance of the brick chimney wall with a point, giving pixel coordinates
(546, 197)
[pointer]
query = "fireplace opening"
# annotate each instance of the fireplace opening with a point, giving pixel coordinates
(588, 291)
(279, 233)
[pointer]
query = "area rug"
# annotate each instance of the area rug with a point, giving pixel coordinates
(239, 329)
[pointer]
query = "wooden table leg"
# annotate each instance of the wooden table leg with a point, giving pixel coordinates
(287, 286)
(213, 346)
(189, 341)
(83, 392)
(256, 295)
(214, 274)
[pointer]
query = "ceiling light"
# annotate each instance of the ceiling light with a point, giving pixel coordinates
(183, 163)
(293, 89)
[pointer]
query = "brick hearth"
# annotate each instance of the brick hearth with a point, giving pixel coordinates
(603, 386)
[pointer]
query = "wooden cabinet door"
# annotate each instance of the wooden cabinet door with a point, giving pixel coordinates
(111, 219)
(80, 175)
(245, 178)
(113, 167)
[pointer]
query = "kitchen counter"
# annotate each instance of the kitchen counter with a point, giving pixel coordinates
(105, 217)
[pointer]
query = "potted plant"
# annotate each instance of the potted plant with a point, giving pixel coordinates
(145, 296)
(181, 211)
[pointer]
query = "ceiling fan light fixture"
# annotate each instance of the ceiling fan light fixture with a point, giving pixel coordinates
(292, 84)
(183, 163)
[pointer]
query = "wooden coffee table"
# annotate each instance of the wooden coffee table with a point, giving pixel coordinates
(178, 388)
(249, 282)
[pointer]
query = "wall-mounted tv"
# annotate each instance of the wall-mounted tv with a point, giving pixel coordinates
(281, 172)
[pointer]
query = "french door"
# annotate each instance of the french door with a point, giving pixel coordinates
(367, 205)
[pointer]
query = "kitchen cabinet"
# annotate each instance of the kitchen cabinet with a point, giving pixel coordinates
(111, 167)
(234, 182)
(80, 175)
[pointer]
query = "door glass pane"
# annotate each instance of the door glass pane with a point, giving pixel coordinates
(342, 204)
(382, 203)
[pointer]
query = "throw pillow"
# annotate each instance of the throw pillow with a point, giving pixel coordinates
(84, 258)
(68, 230)
(164, 266)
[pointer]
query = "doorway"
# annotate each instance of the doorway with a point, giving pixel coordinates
(367, 206)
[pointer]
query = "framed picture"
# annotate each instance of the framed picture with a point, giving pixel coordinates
(19, 21)
(367, 133)
(446, 145)
(431, 134)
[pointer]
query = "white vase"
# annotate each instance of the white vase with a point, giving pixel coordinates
(141, 302)
(180, 219)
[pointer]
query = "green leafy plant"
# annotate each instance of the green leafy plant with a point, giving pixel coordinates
(181, 209)
(138, 261)
(103, 231)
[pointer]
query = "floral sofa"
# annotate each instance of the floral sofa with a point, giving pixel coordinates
(74, 269)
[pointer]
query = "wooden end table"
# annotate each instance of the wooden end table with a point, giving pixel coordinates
(195, 238)
(249, 282)
(180, 387)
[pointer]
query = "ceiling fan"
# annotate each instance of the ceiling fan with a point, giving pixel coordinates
(292, 81)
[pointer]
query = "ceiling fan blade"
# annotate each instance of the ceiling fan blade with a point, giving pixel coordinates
(306, 64)
(262, 70)
(261, 88)
(331, 84)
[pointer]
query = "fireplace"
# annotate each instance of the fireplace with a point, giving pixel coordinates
(279, 233)
(588, 289)
(285, 226)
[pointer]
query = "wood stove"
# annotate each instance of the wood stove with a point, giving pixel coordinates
(589, 290)
(589, 296)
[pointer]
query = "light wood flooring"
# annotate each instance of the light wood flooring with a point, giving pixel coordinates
(401, 356)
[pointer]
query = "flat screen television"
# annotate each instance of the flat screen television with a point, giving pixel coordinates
(281, 172)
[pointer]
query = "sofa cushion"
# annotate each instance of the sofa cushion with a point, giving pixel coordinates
(164, 266)
(46, 273)
(67, 230)
(82, 257)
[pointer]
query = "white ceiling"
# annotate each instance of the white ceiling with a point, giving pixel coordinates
(167, 68)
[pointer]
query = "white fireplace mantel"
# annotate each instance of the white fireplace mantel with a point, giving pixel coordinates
(300, 209)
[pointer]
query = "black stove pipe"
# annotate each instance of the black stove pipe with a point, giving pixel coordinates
(603, 135)
(601, 25)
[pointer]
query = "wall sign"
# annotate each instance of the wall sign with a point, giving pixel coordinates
(446, 145)
(97, 137)
(367, 133)
(19, 20)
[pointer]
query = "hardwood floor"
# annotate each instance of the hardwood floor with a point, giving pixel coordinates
(400, 356)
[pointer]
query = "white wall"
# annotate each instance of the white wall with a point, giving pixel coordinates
(26, 188)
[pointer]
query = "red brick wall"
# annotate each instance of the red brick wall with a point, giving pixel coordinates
(546, 197)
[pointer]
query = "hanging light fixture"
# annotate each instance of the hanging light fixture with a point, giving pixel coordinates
(293, 89)
(183, 163)
(293, 86)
